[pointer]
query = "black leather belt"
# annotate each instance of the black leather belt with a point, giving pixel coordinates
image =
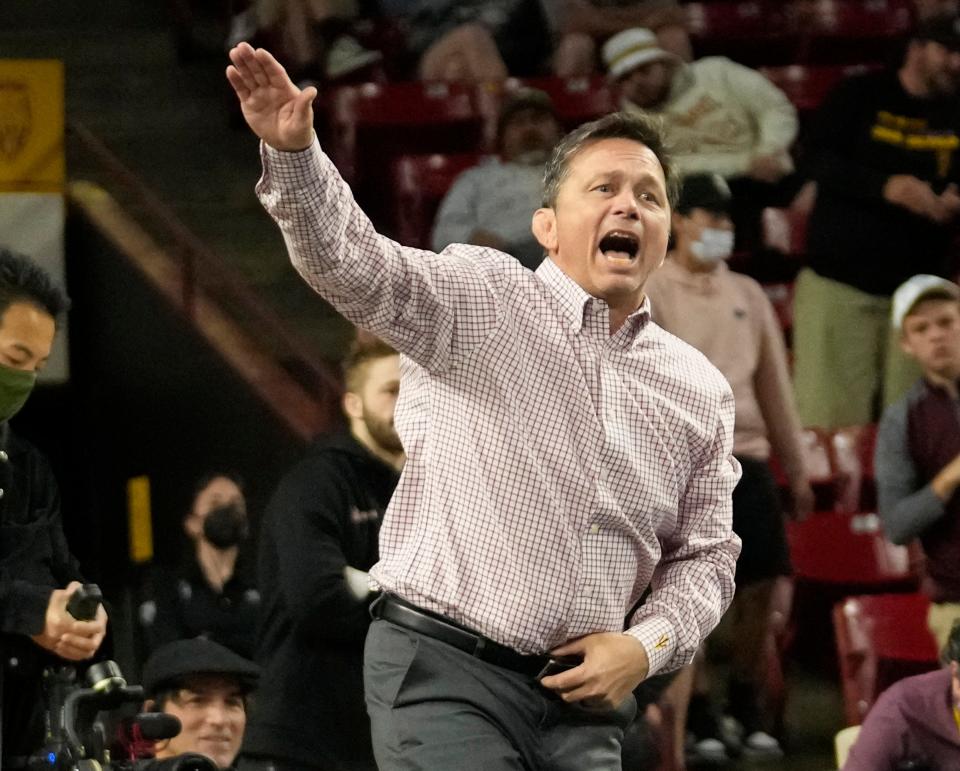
(391, 608)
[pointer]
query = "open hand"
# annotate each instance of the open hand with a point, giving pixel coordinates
(275, 109)
(65, 636)
(613, 665)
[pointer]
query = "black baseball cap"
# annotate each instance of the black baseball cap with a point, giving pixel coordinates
(524, 99)
(942, 28)
(704, 191)
(171, 664)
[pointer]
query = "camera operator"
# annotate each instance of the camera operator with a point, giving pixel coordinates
(915, 723)
(37, 571)
(205, 686)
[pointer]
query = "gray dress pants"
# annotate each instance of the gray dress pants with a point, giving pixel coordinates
(435, 708)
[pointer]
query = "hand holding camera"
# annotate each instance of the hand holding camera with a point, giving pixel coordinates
(76, 635)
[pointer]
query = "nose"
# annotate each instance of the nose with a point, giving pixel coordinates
(216, 715)
(626, 205)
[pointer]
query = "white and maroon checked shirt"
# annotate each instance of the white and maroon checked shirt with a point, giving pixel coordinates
(553, 470)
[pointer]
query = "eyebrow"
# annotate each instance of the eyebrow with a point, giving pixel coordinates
(645, 176)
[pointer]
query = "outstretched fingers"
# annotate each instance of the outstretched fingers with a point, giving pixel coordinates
(238, 83)
(271, 69)
(245, 61)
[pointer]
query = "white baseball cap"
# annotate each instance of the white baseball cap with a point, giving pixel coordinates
(917, 288)
(632, 48)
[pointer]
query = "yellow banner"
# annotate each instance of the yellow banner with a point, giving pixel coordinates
(31, 126)
(140, 519)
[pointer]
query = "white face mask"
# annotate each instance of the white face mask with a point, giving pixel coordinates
(714, 245)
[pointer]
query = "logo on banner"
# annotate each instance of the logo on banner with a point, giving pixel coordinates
(15, 119)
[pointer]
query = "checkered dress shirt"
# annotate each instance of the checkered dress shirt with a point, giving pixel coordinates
(554, 471)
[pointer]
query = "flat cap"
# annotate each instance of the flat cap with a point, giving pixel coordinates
(171, 663)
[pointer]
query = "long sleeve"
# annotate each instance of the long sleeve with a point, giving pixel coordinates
(693, 584)
(776, 118)
(775, 395)
(906, 507)
(436, 309)
(308, 515)
(35, 556)
(457, 217)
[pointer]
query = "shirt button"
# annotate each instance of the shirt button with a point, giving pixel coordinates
(1, 492)
(594, 528)
(3, 456)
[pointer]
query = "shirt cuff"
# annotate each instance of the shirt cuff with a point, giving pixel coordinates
(292, 169)
(657, 636)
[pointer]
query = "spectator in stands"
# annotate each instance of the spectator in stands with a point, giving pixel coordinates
(918, 445)
(205, 686)
(728, 317)
(915, 724)
(211, 593)
(319, 540)
(883, 152)
(473, 41)
(38, 573)
(492, 204)
(578, 26)
(721, 117)
(314, 36)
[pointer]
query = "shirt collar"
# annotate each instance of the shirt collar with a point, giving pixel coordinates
(575, 302)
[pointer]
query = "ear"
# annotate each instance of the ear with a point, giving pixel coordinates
(545, 229)
(352, 405)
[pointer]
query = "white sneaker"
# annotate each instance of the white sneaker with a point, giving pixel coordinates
(708, 751)
(760, 744)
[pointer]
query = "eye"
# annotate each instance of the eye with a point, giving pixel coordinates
(604, 187)
(646, 195)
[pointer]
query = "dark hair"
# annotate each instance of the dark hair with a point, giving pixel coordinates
(951, 651)
(22, 280)
(361, 353)
(639, 127)
(204, 482)
(170, 690)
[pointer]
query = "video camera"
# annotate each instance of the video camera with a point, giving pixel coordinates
(85, 730)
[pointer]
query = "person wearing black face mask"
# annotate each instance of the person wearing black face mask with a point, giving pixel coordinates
(37, 571)
(212, 592)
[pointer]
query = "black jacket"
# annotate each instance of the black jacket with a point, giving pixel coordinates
(324, 516)
(179, 603)
(34, 560)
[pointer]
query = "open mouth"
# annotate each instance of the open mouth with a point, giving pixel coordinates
(620, 245)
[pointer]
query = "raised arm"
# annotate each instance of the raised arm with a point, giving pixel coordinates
(275, 109)
(435, 309)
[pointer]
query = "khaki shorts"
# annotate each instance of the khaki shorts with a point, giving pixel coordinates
(847, 359)
(940, 619)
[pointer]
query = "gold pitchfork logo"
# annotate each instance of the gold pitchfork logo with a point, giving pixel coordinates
(15, 119)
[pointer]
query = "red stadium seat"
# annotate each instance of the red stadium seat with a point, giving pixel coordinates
(880, 639)
(853, 459)
(847, 549)
(419, 183)
(853, 31)
(371, 124)
(750, 31)
(806, 86)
